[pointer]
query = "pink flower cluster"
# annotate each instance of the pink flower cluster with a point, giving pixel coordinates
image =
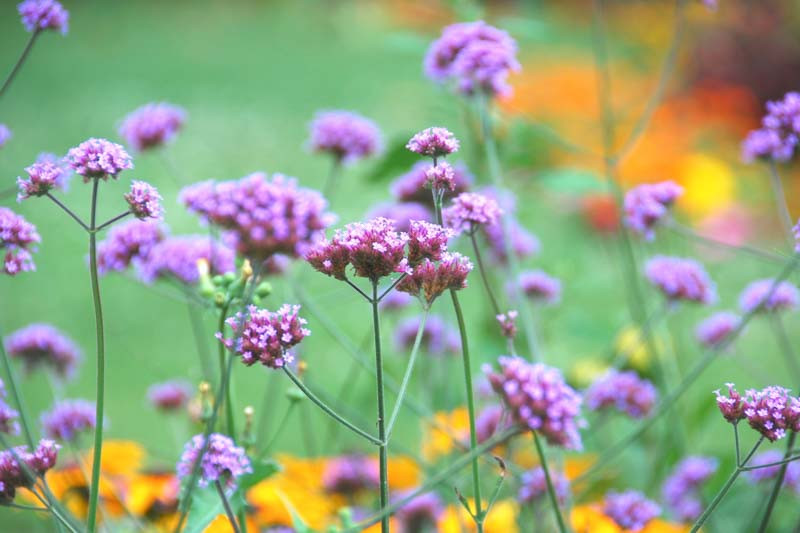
(681, 279)
(538, 286)
(414, 185)
(68, 419)
(760, 295)
(430, 279)
(222, 461)
(508, 323)
(144, 201)
(170, 395)
(433, 142)
(152, 125)
(470, 210)
(43, 345)
(177, 257)
(12, 474)
(350, 474)
(770, 411)
(624, 391)
(42, 176)
(348, 136)
(716, 329)
(98, 158)
(38, 15)
(646, 204)
(18, 238)
(128, 243)
(630, 509)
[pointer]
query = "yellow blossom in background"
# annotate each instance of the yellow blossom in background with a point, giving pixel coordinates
(120, 457)
(586, 370)
(221, 524)
(590, 519)
(502, 518)
(403, 473)
(146, 490)
(708, 184)
(631, 343)
(437, 440)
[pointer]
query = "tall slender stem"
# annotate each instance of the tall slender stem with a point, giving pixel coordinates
(551, 491)
(101, 363)
(229, 419)
(20, 61)
(199, 337)
(407, 376)
(227, 506)
(780, 199)
(484, 276)
(12, 386)
(383, 448)
(776, 487)
(69, 211)
(473, 435)
(330, 181)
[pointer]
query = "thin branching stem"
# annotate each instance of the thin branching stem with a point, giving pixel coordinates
(110, 221)
(383, 458)
(20, 61)
(70, 212)
(227, 506)
(407, 375)
(551, 490)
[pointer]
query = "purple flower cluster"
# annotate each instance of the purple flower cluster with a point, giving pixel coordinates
(152, 125)
(402, 213)
(396, 300)
(630, 509)
(38, 15)
(350, 474)
(523, 243)
(533, 486)
(170, 395)
(770, 411)
(779, 134)
(427, 241)
(538, 286)
(98, 158)
(264, 216)
(681, 490)
(437, 337)
(144, 201)
(5, 135)
(177, 257)
(265, 336)
(128, 243)
(413, 185)
(223, 461)
(433, 142)
(69, 418)
(538, 398)
(469, 210)
(348, 136)
(491, 419)
(624, 391)
(18, 238)
(475, 55)
(420, 514)
(791, 478)
(716, 329)
(508, 324)
(42, 345)
(42, 176)
(12, 474)
(429, 279)
(756, 296)
(8, 416)
(646, 204)
(681, 279)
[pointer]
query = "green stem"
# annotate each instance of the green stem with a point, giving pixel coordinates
(70, 212)
(780, 200)
(330, 181)
(20, 61)
(776, 487)
(196, 322)
(382, 447)
(227, 506)
(278, 430)
(229, 419)
(101, 370)
(551, 490)
(473, 435)
(12, 386)
(484, 276)
(112, 220)
(407, 376)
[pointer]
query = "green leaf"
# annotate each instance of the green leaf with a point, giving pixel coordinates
(395, 160)
(262, 469)
(206, 506)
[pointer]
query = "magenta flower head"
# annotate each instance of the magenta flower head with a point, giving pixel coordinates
(428, 280)
(128, 243)
(98, 158)
(539, 399)
(12, 474)
(420, 514)
(681, 279)
(646, 204)
(681, 490)
(791, 478)
(730, 406)
(771, 412)
(630, 509)
(414, 185)
(18, 238)
(538, 287)
(176, 258)
(624, 391)
(222, 462)
(475, 56)
(144, 201)
(490, 420)
(42, 345)
(402, 213)
(533, 486)
(470, 210)
(68, 419)
(42, 176)
(347, 136)
(779, 135)
(433, 142)
(350, 474)
(508, 324)
(437, 337)
(152, 125)
(39, 15)
(5, 135)
(396, 300)
(265, 336)
(716, 329)
(263, 216)
(170, 395)
(523, 242)
(441, 178)
(761, 296)
(427, 241)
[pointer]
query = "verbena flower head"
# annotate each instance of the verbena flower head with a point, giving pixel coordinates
(624, 391)
(223, 461)
(681, 490)
(374, 249)
(469, 210)
(730, 406)
(43, 345)
(533, 486)
(42, 177)
(263, 216)
(43, 458)
(630, 509)
(681, 279)
(127, 243)
(396, 300)
(18, 239)
(5, 134)
(420, 514)
(413, 186)
(152, 125)
(646, 204)
(350, 474)
(429, 279)
(508, 323)
(68, 419)
(348, 136)
(144, 201)
(38, 15)
(12, 474)
(756, 296)
(427, 241)
(490, 420)
(474, 55)
(716, 329)
(440, 178)
(778, 137)
(523, 242)
(170, 395)
(770, 411)
(538, 286)
(433, 142)
(539, 399)
(265, 336)
(402, 213)
(98, 158)
(437, 337)
(177, 257)
(791, 478)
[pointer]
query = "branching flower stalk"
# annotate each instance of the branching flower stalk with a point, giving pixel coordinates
(20, 61)
(551, 490)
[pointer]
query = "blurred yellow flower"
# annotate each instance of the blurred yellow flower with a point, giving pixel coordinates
(708, 182)
(221, 524)
(590, 519)
(632, 345)
(438, 434)
(586, 370)
(502, 518)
